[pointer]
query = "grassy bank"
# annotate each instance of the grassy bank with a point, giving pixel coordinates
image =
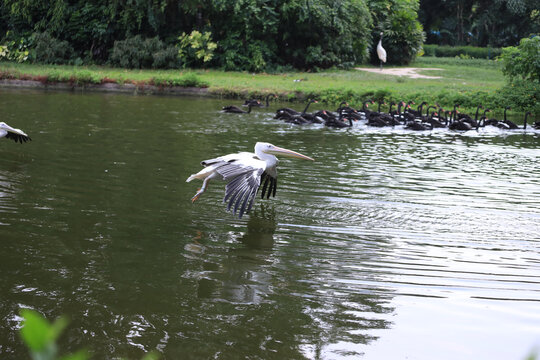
(467, 82)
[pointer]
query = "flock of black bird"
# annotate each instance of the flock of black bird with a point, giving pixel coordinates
(425, 117)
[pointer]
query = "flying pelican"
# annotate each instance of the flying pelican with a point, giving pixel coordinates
(16, 135)
(381, 52)
(244, 172)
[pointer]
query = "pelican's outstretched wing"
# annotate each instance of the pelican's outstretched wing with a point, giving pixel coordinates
(243, 172)
(240, 191)
(16, 135)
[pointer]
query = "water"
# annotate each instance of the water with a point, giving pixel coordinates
(392, 245)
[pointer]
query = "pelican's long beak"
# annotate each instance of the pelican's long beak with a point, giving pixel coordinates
(276, 150)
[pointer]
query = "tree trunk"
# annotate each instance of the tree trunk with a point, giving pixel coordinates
(459, 9)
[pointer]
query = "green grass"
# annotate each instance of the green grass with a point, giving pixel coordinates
(464, 81)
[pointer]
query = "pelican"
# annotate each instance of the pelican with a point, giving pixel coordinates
(16, 135)
(381, 53)
(244, 172)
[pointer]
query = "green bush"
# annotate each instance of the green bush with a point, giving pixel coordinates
(521, 65)
(522, 95)
(49, 50)
(191, 80)
(139, 53)
(239, 56)
(166, 58)
(322, 34)
(523, 61)
(15, 48)
(196, 49)
(187, 80)
(403, 34)
(461, 51)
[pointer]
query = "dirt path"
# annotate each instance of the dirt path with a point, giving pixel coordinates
(410, 72)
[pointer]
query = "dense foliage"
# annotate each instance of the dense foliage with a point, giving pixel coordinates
(136, 52)
(254, 35)
(523, 61)
(49, 50)
(323, 33)
(196, 49)
(403, 34)
(521, 65)
(495, 23)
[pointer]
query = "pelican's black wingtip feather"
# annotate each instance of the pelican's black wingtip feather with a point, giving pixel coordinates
(265, 185)
(17, 137)
(263, 178)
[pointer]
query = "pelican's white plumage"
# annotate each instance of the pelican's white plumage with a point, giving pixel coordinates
(244, 172)
(16, 135)
(381, 53)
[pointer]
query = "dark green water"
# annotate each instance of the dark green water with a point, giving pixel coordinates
(391, 245)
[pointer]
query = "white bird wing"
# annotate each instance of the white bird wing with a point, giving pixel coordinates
(16, 135)
(243, 172)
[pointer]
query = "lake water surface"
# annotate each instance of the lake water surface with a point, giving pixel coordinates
(391, 245)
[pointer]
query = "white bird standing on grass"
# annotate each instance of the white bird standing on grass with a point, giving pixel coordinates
(381, 52)
(16, 135)
(244, 172)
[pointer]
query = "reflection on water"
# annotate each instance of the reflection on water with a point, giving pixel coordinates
(261, 227)
(240, 278)
(393, 244)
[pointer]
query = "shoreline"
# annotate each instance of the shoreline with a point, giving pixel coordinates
(127, 88)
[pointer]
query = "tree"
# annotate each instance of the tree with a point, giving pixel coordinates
(403, 33)
(253, 35)
(324, 33)
(479, 22)
(523, 61)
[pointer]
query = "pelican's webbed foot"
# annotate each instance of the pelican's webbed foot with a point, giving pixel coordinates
(201, 190)
(197, 195)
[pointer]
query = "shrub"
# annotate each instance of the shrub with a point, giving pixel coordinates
(523, 61)
(461, 51)
(521, 65)
(139, 53)
(238, 56)
(191, 80)
(196, 49)
(49, 50)
(522, 95)
(322, 34)
(403, 34)
(166, 58)
(15, 49)
(187, 80)
(129, 53)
